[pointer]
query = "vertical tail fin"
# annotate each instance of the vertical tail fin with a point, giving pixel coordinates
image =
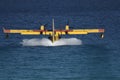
(53, 28)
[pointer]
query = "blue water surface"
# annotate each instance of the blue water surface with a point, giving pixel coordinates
(95, 59)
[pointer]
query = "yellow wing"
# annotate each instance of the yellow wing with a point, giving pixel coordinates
(49, 32)
(27, 32)
(86, 31)
(79, 31)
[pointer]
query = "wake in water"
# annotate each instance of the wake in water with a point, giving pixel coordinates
(47, 42)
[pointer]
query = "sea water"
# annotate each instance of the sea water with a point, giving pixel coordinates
(73, 57)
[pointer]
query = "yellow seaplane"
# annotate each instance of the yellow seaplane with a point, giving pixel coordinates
(54, 34)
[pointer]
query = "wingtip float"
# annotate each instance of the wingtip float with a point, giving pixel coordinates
(54, 34)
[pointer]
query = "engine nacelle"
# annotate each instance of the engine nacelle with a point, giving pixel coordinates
(42, 27)
(67, 27)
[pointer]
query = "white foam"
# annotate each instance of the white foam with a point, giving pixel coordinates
(47, 42)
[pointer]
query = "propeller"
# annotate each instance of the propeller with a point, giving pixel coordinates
(45, 24)
(68, 23)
